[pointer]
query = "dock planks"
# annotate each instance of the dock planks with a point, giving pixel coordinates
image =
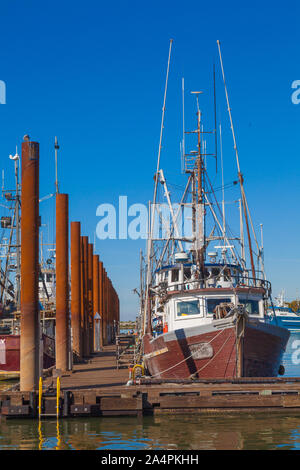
(97, 388)
(99, 372)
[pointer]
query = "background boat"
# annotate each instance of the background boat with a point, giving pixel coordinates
(282, 315)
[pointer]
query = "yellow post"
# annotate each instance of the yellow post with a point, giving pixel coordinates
(58, 437)
(57, 396)
(40, 436)
(140, 366)
(40, 395)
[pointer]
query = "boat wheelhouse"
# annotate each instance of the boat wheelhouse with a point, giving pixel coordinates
(187, 302)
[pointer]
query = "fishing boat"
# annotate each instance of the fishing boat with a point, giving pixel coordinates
(282, 315)
(203, 298)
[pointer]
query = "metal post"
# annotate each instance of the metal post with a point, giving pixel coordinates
(105, 307)
(76, 289)
(30, 324)
(62, 284)
(85, 297)
(96, 302)
(110, 318)
(101, 302)
(82, 299)
(90, 299)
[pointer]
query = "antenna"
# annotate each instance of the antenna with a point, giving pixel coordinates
(197, 93)
(261, 251)
(222, 170)
(183, 123)
(56, 147)
(215, 113)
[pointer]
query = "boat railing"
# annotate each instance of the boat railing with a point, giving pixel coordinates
(230, 282)
(8, 326)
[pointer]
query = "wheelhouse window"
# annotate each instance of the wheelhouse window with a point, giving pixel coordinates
(252, 306)
(206, 273)
(187, 308)
(227, 275)
(164, 276)
(215, 272)
(212, 303)
(175, 275)
(187, 273)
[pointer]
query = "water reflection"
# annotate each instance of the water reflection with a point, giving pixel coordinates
(160, 432)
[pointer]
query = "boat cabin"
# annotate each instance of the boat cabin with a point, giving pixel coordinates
(183, 276)
(182, 309)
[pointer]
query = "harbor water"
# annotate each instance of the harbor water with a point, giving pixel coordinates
(168, 432)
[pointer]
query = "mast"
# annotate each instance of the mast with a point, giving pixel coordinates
(15, 225)
(198, 202)
(241, 179)
(200, 240)
(242, 234)
(183, 127)
(151, 226)
(18, 232)
(223, 189)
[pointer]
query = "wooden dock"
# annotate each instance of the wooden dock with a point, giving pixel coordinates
(98, 388)
(98, 372)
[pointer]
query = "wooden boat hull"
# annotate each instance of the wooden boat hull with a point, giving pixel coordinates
(10, 352)
(215, 351)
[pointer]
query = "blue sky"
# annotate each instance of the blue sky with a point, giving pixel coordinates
(93, 74)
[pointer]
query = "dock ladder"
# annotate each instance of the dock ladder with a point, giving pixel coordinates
(125, 350)
(49, 403)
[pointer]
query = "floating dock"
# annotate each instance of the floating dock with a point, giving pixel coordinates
(98, 388)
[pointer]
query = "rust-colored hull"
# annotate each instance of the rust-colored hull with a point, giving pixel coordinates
(213, 352)
(10, 352)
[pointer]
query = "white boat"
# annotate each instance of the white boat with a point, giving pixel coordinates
(282, 315)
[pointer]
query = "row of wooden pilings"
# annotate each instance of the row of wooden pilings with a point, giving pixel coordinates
(94, 316)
